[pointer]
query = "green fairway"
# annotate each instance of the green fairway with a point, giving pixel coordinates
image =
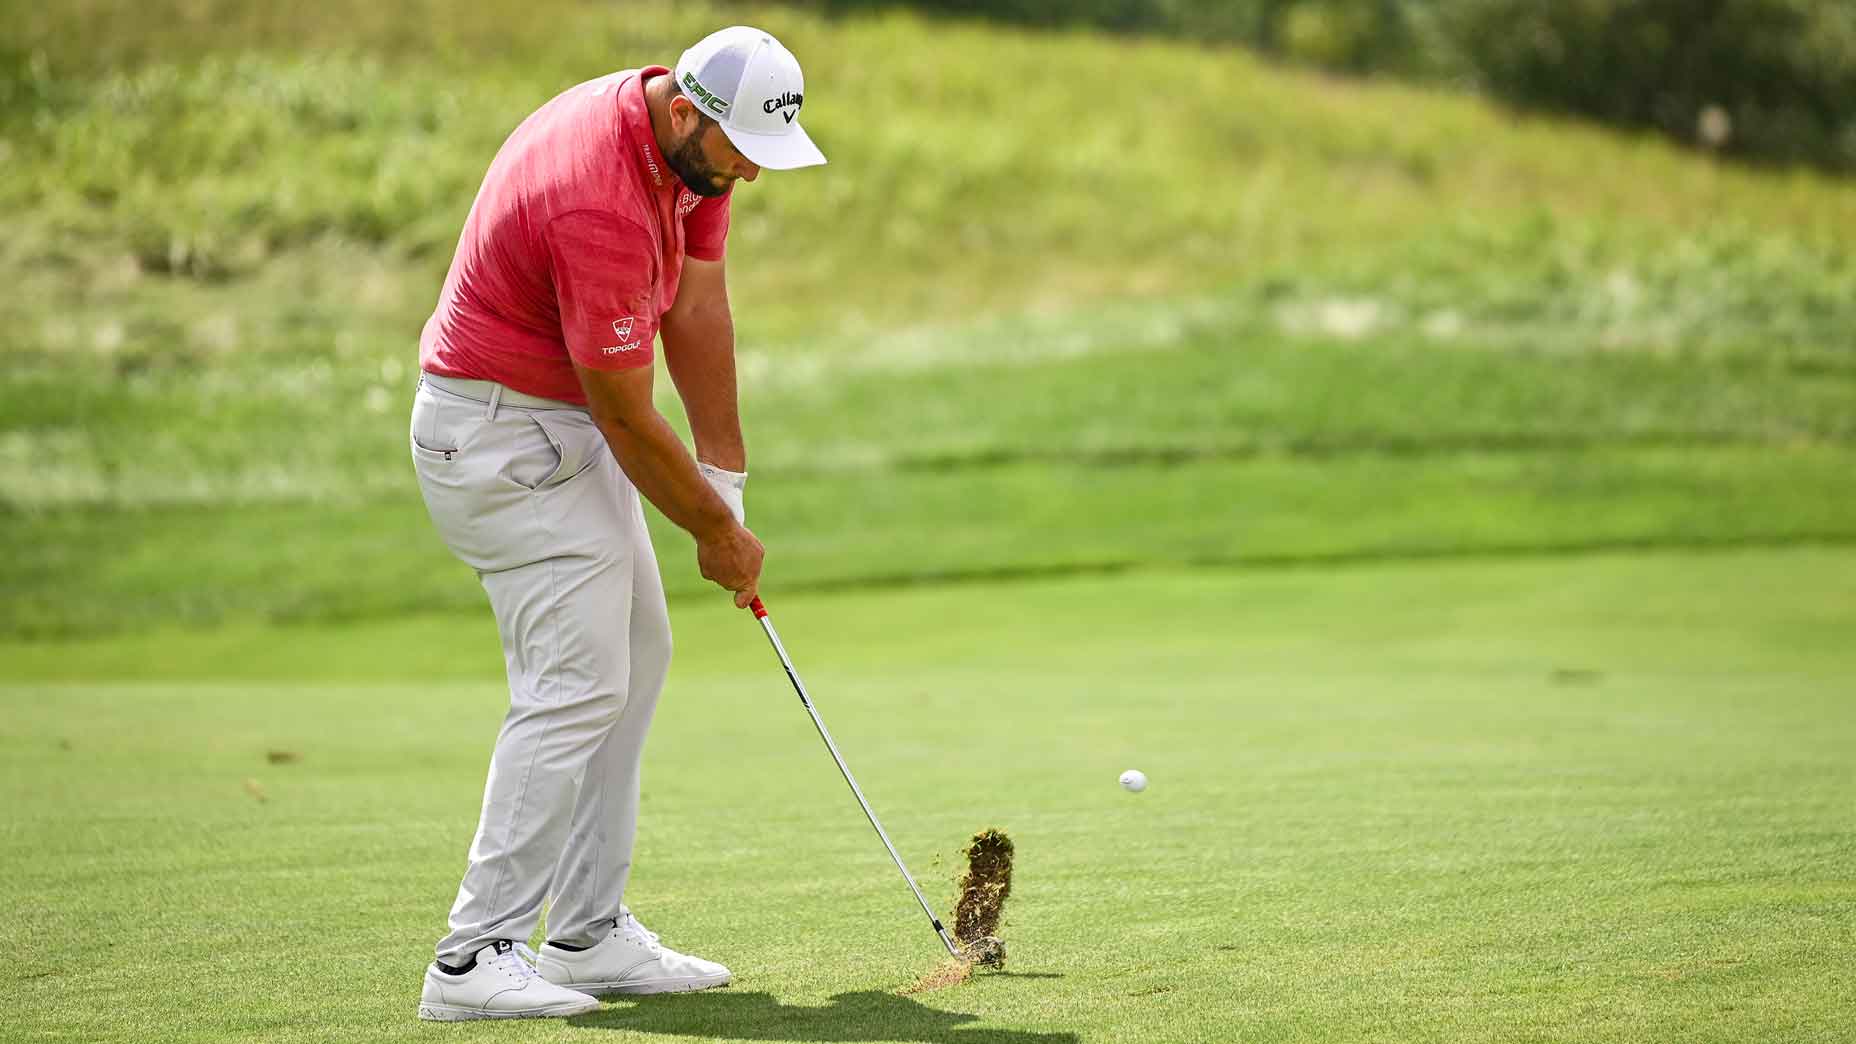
(1600, 798)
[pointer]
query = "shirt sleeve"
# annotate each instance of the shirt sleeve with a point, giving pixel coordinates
(705, 230)
(605, 271)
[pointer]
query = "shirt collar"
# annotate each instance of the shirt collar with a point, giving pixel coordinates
(635, 116)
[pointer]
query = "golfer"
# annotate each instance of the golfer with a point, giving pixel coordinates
(599, 227)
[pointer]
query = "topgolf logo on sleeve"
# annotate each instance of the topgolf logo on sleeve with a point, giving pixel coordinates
(622, 327)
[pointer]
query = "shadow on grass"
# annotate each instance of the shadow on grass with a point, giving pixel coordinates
(863, 1016)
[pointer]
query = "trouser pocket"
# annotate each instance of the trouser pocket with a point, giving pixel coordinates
(563, 445)
(433, 438)
(484, 478)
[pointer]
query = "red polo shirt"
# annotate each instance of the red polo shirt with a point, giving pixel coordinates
(573, 249)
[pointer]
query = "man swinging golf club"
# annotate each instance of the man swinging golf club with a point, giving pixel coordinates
(600, 224)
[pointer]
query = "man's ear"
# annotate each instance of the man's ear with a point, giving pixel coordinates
(684, 116)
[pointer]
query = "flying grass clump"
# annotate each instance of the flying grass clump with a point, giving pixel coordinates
(983, 891)
(977, 913)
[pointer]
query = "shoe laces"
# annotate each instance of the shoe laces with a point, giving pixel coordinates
(518, 963)
(632, 928)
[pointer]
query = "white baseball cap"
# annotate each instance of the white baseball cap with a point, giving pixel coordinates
(743, 79)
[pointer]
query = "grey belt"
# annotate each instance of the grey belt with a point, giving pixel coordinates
(493, 394)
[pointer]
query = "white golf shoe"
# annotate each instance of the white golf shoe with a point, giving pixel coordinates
(502, 984)
(628, 960)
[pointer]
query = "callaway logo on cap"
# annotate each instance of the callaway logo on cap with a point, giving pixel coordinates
(744, 80)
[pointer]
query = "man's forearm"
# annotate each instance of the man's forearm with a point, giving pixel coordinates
(658, 464)
(699, 352)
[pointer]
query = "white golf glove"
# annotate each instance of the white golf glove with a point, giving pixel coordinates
(729, 486)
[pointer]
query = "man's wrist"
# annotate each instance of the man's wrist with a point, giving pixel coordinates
(715, 527)
(729, 485)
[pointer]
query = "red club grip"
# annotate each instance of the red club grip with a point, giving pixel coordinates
(760, 611)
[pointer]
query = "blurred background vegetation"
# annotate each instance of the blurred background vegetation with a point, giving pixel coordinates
(1759, 78)
(1065, 298)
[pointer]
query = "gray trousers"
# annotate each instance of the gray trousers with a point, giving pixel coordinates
(526, 492)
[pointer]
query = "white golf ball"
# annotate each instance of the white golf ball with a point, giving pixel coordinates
(1134, 781)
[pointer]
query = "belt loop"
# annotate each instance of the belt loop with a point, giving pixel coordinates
(496, 399)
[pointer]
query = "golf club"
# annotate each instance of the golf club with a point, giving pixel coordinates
(983, 951)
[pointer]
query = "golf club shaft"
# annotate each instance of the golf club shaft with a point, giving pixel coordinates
(792, 673)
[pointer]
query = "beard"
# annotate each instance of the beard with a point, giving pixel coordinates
(686, 161)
